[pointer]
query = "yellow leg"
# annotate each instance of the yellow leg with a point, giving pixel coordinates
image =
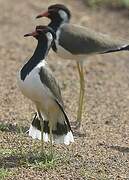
(51, 146)
(41, 124)
(81, 95)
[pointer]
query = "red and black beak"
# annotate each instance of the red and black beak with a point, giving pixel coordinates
(45, 14)
(34, 34)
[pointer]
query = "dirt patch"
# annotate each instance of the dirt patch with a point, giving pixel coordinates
(101, 150)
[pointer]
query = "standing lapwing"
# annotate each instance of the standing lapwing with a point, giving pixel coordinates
(37, 82)
(76, 43)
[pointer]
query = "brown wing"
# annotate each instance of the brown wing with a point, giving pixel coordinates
(80, 40)
(48, 79)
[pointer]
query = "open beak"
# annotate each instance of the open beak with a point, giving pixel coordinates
(46, 14)
(34, 34)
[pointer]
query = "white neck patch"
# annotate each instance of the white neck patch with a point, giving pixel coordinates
(50, 39)
(63, 15)
(49, 36)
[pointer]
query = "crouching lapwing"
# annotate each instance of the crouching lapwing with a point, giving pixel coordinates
(37, 82)
(76, 42)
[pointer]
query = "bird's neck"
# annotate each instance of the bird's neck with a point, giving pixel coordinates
(39, 55)
(55, 25)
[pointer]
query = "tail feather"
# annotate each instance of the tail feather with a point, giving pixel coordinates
(64, 139)
(36, 124)
(36, 134)
(61, 134)
(66, 118)
(123, 48)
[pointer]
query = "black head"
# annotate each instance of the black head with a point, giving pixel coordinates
(57, 12)
(43, 33)
(46, 29)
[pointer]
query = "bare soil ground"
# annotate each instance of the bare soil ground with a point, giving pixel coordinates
(101, 150)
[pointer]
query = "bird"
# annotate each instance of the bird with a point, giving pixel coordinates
(77, 43)
(36, 82)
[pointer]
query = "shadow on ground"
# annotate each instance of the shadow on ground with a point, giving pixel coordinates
(116, 148)
(26, 160)
(8, 127)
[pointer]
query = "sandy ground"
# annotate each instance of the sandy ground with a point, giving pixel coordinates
(101, 150)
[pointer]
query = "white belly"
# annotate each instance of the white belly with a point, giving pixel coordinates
(33, 88)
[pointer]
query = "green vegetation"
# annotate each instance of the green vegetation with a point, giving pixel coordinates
(108, 3)
(43, 162)
(4, 127)
(7, 152)
(12, 158)
(23, 156)
(4, 173)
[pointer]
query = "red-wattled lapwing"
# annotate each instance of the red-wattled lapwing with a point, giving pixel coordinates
(38, 84)
(76, 42)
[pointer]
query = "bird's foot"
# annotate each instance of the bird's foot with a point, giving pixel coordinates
(77, 126)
